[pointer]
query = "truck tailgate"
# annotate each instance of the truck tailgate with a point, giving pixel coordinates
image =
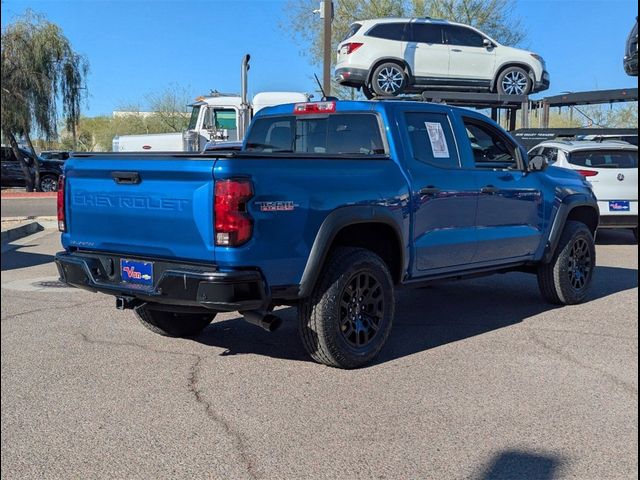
(141, 205)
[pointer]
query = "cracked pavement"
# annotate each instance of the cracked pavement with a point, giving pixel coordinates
(479, 380)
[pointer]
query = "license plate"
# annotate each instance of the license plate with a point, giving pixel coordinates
(137, 272)
(619, 206)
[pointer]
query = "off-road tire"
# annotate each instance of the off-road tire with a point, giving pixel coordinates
(395, 71)
(558, 281)
(321, 316)
(170, 324)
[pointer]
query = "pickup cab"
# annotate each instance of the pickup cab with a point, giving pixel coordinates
(328, 206)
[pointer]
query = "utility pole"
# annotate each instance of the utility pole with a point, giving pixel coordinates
(327, 16)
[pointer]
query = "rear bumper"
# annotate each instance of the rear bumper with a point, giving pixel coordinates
(618, 221)
(351, 77)
(185, 285)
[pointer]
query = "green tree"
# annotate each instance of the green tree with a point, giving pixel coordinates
(495, 17)
(40, 73)
(170, 108)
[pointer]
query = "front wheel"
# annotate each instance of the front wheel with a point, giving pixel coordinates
(567, 278)
(514, 81)
(171, 324)
(348, 317)
(389, 79)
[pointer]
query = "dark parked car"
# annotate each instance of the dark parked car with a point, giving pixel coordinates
(631, 52)
(54, 155)
(12, 175)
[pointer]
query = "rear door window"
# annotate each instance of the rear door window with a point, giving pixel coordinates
(605, 158)
(389, 31)
(342, 133)
(425, 33)
(431, 139)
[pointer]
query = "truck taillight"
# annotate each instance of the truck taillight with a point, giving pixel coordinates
(233, 224)
(351, 47)
(314, 107)
(62, 225)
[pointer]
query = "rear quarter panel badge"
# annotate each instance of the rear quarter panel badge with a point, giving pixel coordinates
(277, 206)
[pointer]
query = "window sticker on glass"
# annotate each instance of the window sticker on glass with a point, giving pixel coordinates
(437, 139)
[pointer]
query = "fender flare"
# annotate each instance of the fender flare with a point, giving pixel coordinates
(336, 221)
(508, 64)
(398, 60)
(568, 204)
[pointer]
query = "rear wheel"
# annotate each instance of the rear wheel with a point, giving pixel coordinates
(49, 183)
(567, 278)
(171, 324)
(348, 317)
(389, 79)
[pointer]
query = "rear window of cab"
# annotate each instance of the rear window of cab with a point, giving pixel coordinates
(333, 134)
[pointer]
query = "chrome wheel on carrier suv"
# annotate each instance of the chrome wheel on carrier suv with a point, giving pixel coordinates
(389, 79)
(514, 81)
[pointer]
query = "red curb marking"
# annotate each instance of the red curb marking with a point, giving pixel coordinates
(28, 195)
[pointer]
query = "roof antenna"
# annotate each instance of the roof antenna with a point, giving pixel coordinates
(324, 97)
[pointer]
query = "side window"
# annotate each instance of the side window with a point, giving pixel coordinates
(463, 36)
(431, 139)
(388, 31)
(425, 33)
(8, 155)
(353, 29)
(551, 154)
(490, 147)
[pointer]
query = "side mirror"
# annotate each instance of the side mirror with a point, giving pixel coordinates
(488, 43)
(538, 163)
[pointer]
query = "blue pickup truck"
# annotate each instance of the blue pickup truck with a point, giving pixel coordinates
(329, 206)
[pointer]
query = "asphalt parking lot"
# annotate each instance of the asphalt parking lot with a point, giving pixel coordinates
(480, 379)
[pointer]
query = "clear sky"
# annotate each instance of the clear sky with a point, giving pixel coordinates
(137, 47)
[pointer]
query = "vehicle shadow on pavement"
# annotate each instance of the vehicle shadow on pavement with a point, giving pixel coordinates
(518, 464)
(619, 236)
(16, 258)
(425, 318)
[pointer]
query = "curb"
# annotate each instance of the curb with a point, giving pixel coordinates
(19, 195)
(14, 233)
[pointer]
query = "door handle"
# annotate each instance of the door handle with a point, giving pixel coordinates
(489, 189)
(456, 50)
(429, 190)
(126, 178)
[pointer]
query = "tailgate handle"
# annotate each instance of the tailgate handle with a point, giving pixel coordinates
(126, 178)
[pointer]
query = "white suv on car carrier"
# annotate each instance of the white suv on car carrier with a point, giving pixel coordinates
(390, 56)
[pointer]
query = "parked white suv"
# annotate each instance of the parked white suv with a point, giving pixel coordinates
(612, 169)
(390, 56)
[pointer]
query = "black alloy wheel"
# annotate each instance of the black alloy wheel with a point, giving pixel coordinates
(580, 264)
(361, 309)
